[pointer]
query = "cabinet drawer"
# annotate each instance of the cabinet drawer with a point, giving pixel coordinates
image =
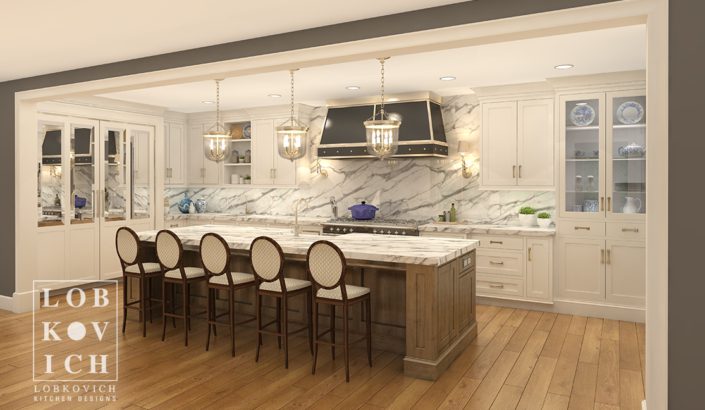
(500, 262)
(581, 228)
(500, 242)
(633, 231)
(497, 285)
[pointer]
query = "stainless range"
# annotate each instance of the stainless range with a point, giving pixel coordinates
(380, 226)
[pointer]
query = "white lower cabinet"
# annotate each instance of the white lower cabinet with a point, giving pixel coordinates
(626, 272)
(539, 268)
(581, 268)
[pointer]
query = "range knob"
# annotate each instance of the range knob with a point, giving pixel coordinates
(337, 229)
(351, 229)
(403, 232)
(344, 230)
(374, 231)
(396, 232)
(389, 232)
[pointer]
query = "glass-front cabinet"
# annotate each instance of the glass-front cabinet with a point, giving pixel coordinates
(603, 155)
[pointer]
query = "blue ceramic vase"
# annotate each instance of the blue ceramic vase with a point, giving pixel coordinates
(185, 204)
(200, 205)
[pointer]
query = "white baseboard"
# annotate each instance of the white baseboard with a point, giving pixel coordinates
(6, 303)
(573, 308)
(643, 405)
(24, 301)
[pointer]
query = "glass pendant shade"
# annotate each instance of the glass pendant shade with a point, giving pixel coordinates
(382, 132)
(292, 135)
(217, 139)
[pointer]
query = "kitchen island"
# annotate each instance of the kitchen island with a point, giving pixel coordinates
(423, 289)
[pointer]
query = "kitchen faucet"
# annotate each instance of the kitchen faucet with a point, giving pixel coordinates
(297, 228)
(334, 206)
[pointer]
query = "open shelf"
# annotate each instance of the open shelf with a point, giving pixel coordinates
(628, 126)
(586, 128)
(582, 159)
(240, 164)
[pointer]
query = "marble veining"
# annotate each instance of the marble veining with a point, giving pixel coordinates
(418, 188)
(250, 218)
(481, 229)
(369, 247)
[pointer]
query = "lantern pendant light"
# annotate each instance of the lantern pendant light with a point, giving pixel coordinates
(291, 135)
(382, 131)
(215, 141)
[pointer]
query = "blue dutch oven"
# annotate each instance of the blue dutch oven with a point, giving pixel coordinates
(363, 211)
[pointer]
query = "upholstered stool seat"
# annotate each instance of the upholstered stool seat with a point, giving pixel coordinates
(335, 293)
(290, 283)
(190, 271)
(149, 267)
(239, 278)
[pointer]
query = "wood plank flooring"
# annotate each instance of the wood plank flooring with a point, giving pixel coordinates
(520, 359)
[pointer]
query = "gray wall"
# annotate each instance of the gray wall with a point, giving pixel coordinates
(686, 147)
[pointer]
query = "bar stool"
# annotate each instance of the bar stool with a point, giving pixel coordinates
(267, 259)
(129, 252)
(215, 257)
(170, 254)
(327, 267)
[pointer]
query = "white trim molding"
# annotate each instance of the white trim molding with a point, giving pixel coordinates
(6, 303)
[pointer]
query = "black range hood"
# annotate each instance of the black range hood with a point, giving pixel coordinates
(421, 133)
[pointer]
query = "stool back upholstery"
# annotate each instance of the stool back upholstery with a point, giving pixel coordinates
(127, 244)
(326, 265)
(215, 256)
(169, 250)
(267, 260)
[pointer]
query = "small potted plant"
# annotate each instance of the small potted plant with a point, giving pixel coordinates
(544, 219)
(527, 216)
(248, 179)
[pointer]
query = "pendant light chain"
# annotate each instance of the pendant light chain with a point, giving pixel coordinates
(217, 105)
(291, 72)
(381, 60)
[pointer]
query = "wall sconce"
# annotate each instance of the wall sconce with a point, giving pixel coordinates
(317, 168)
(466, 162)
(55, 171)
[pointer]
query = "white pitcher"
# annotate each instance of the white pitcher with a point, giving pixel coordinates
(632, 205)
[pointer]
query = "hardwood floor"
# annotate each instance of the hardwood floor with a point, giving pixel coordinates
(520, 359)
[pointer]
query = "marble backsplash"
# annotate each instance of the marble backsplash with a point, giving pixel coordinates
(406, 188)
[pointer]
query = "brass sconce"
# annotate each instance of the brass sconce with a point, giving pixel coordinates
(317, 168)
(466, 162)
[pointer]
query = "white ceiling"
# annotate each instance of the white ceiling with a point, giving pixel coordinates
(608, 50)
(45, 36)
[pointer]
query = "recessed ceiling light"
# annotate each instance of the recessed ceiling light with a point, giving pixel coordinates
(208, 102)
(447, 78)
(393, 99)
(274, 95)
(352, 88)
(564, 66)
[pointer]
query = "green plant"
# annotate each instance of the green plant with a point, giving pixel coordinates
(527, 210)
(544, 215)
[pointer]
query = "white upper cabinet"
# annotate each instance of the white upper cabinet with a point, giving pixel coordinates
(201, 171)
(268, 168)
(175, 149)
(517, 144)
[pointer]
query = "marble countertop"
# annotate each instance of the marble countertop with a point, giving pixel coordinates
(469, 228)
(370, 247)
(253, 218)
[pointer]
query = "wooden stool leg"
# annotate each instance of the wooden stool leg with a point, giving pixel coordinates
(309, 318)
(124, 302)
(185, 301)
(258, 312)
(332, 331)
(279, 322)
(164, 308)
(149, 297)
(143, 305)
(187, 290)
(369, 331)
(210, 317)
(173, 304)
(215, 312)
(346, 340)
(315, 336)
(285, 331)
(231, 308)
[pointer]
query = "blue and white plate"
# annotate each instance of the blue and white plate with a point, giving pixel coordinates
(247, 131)
(582, 115)
(630, 112)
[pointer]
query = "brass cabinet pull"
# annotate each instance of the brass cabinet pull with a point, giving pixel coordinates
(496, 243)
(581, 228)
(602, 256)
(519, 171)
(497, 285)
(609, 204)
(529, 254)
(635, 230)
(602, 203)
(514, 171)
(496, 263)
(609, 256)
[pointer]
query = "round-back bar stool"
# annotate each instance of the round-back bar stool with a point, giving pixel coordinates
(267, 261)
(129, 250)
(327, 267)
(215, 258)
(170, 254)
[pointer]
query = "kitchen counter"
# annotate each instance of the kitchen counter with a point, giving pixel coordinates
(486, 229)
(422, 289)
(375, 248)
(251, 218)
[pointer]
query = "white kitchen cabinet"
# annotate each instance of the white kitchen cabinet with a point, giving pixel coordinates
(175, 149)
(539, 268)
(581, 268)
(201, 171)
(268, 168)
(625, 264)
(517, 144)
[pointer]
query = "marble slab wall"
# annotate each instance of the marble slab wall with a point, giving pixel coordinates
(418, 188)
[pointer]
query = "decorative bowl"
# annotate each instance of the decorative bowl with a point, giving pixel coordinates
(632, 150)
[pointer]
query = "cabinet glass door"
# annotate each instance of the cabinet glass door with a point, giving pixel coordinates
(626, 149)
(140, 178)
(50, 184)
(82, 155)
(115, 175)
(582, 155)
